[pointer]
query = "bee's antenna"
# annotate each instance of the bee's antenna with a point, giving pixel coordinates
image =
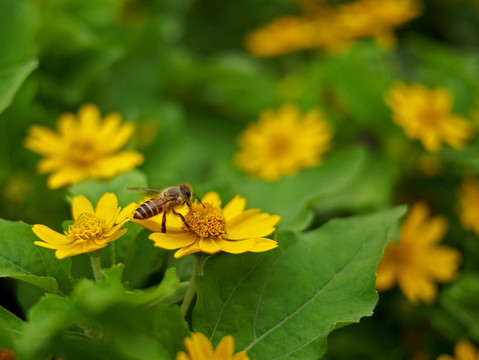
(196, 196)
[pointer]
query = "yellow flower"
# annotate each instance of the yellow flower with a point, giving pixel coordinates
(377, 18)
(469, 200)
(332, 27)
(91, 229)
(213, 229)
(7, 354)
(463, 350)
(84, 147)
(416, 261)
(426, 115)
(283, 142)
(198, 347)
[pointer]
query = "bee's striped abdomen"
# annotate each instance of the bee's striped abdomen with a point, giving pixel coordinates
(147, 210)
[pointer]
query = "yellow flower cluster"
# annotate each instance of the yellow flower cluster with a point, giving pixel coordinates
(463, 350)
(332, 27)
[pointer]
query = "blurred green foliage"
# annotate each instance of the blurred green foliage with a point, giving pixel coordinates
(179, 70)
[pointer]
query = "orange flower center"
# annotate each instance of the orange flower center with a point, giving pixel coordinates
(281, 145)
(86, 227)
(207, 221)
(83, 152)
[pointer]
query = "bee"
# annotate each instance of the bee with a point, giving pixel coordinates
(164, 201)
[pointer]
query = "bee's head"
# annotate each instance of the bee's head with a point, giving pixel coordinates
(188, 193)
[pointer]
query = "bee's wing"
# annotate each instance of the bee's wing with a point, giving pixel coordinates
(145, 191)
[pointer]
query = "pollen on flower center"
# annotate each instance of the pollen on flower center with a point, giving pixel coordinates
(281, 145)
(83, 152)
(86, 227)
(207, 221)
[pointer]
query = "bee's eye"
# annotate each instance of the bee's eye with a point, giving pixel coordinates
(187, 193)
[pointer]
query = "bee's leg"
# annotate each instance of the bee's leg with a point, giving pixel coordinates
(182, 218)
(163, 223)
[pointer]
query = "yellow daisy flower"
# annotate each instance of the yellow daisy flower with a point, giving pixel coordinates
(84, 147)
(469, 201)
(416, 261)
(283, 142)
(198, 347)
(213, 229)
(91, 230)
(463, 350)
(426, 115)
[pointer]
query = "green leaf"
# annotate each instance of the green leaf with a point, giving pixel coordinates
(291, 197)
(10, 327)
(460, 299)
(21, 259)
(105, 318)
(18, 28)
(285, 302)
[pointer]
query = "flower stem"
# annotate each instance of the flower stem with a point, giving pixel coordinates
(191, 291)
(96, 266)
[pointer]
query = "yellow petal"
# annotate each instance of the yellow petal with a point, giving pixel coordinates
(66, 176)
(415, 286)
(171, 241)
(199, 347)
(120, 138)
(111, 165)
(240, 356)
(43, 140)
(182, 356)
(234, 207)
(386, 276)
(464, 350)
(241, 246)
(80, 205)
(225, 348)
(251, 223)
(89, 116)
(48, 235)
(127, 212)
(107, 208)
(209, 246)
(187, 250)
(213, 198)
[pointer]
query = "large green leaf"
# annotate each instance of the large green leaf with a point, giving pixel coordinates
(107, 321)
(291, 197)
(460, 299)
(21, 259)
(18, 27)
(285, 302)
(10, 327)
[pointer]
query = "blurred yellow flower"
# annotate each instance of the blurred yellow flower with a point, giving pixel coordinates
(469, 201)
(426, 115)
(416, 261)
(377, 18)
(213, 229)
(332, 27)
(199, 347)
(84, 147)
(283, 142)
(7, 354)
(463, 350)
(91, 229)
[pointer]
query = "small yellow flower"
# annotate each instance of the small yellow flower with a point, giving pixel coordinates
(283, 142)
(469, 201)
(84, 147)
(463, 350)
(7, 354)
(91, 230)
(426, 115)
(198, 347)
(213, 229)
(416, 261)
